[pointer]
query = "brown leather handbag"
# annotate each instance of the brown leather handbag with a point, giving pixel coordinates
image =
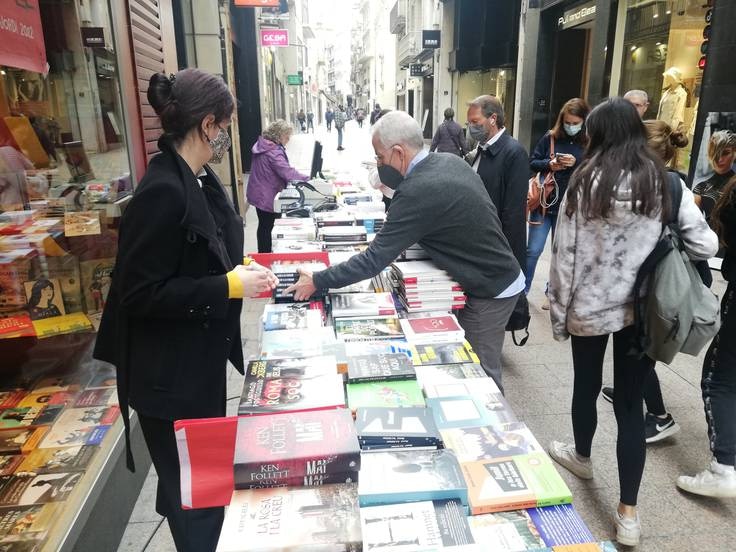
(543, 190)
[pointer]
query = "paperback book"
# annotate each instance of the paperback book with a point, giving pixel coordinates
(81, 426)
(58, 460)
(447, 373)
(302, 343)
(380, 367)
(385, 394)
(9, 463)
(560, 525)
(309, 518)
(107, 396)
(368, 329)
(362, 304)
(21, 440)
(25, 524)
(440, 328)
(296, 384)
(292, 445)
(443, 353)
(524, 481)
(394, 477)
(291, 316)
(421, 526)
(477, 387)
(27, 488)
(29, 416)
(468, 411)
(287, 273)
(314, 480)
(488, 442)
(382, 428)
(506, 531)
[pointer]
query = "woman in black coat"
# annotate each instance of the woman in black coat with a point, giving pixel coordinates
(172, 318)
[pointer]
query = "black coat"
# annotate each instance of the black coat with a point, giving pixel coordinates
(168, 325)
(504, 169)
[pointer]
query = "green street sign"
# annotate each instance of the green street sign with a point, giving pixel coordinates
(296, 80)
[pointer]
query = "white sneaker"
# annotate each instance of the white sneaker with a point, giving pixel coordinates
(719, 480)
(567, 457)
(628, 530)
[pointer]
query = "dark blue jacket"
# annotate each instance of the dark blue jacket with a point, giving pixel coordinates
(539, 162)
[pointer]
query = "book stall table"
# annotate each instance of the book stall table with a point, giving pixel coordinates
(366, 421)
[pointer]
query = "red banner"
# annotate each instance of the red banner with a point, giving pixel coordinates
(21, 36)
(257, 3)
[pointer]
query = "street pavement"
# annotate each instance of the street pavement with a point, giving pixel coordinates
(538, 380)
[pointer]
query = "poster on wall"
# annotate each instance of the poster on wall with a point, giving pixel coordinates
(21, 36)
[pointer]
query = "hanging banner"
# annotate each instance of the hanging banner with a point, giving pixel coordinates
(21, 36)
(274, 37)
(257, 3)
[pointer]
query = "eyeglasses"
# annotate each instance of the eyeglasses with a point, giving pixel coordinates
(379, 156)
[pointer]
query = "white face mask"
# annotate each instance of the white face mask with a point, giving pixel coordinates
(572, 130)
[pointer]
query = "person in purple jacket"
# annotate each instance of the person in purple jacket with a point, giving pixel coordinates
(270, 172)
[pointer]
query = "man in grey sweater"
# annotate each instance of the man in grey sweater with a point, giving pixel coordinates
(440, 203)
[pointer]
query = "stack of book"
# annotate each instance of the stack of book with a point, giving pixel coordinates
(423, 287)
(397, 428)
(301, 229)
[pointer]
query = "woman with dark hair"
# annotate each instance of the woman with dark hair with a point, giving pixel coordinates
(41, 303)
(449, 137)
(172, 317)
(610, 220)
(718, 382)
(559, 151)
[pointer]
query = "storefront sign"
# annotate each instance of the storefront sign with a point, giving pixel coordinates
(21, 36)
(430, 39)
(93, 37)
(577, 16)
(274, 37)
(257, 3)
(416, 69)
(294, 80)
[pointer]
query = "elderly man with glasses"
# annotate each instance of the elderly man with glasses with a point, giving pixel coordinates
(440, 203)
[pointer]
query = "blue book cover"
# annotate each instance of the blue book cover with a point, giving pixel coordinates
(454, 412)
(560, 525)
(394, 477)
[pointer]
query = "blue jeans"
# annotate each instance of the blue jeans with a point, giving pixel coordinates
(535, 243)
(339, 137)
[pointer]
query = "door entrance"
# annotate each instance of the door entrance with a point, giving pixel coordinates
(571, 67)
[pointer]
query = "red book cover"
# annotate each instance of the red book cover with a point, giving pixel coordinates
(17, 326)
(292, 445)
(434, 324)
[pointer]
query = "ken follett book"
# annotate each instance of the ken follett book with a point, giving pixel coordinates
(290, 445)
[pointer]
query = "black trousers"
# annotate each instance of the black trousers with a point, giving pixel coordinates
(193, 530)
(629, 374)
(719, 384)
(265, 226)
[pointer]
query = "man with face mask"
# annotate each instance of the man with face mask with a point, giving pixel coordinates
(503, 165)
(439, 203)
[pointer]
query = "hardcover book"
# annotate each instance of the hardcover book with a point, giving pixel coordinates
(362, 304)
(290, 445)
(415, 527)
(368, 329)
(525, 481)
(279, 385)
(27, 488)
(380, 367)
(385, 393)
(393, 477)
(453, 412)
(309, 518)
(506, 531)
(314, 480)
(432, 329)
(443, 353)
(487, 442)
(58, 460)
(392, 427)
(446, 373)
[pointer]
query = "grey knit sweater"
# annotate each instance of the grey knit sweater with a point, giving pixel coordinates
(594, 263)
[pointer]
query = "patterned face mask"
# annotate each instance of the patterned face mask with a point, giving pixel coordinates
(219, 146)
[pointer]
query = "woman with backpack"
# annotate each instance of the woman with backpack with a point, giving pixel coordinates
(719, 369)
(609, 222)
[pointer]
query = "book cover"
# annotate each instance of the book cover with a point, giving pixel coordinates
(26, 524)
(453, 412)
(81, 426)
(307, 518)
(393, 477)
(560, 525)
(380, 367)
(27, 488)
(59, 325)
(368, 329)
(38, 400)
(291, 385)
(12, 398)
(389, 346)
(96, 278)
(488, 442)
(477, 387)
(295, 444)
(58, 460)
(362, 304)
(415, 527)
(9, 463)
(312, 480)
(385, 393)
(432, 329)
(446, 373)
(443, 353)
(44, 299)
(21, 440)
(29, 416)
(299, 343)
(71, 382)
(525, 481)
(107, 396)
(508, 531)
(18, 325)
(396, 425)
(291, 319)
(65, 269)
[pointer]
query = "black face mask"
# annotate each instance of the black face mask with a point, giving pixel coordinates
(390, 177)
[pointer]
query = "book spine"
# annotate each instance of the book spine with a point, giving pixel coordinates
(502, 507)
(260, 472)
(382, 377)
(304, 481)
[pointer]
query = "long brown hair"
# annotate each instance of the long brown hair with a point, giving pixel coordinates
(618, 146)
(577, 107)
(727, 197)
(664, 141)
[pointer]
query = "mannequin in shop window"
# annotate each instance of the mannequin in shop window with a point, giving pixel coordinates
(674, 98)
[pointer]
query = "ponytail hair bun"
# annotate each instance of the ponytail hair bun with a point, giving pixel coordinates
(679, 139)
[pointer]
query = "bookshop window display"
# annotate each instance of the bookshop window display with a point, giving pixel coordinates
(662, 48)
(64, 177)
